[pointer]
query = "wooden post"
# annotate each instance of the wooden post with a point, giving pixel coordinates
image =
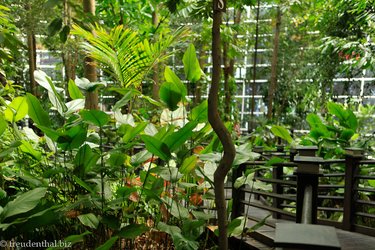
(237, 194)
(259, 150)
(307, 177)
(352, 158)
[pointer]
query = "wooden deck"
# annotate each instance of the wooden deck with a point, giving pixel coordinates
(263, 238)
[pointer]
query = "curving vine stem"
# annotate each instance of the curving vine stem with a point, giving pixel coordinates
(218, 125)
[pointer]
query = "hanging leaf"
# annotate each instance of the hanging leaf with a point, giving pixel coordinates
(192, 68)
(16, 110)
(55, 26)
(27, 148)
(116, 159)
(85, 159)
(36, 112)
(64, 33)
(156, 147)
(178, 138)
(282, 133)
(95, 117)
(188, 164)
(74, 91)
(170, 94)
(200, 113)
(132, 231)
(89, 220)
(23, 203)
(170, 76)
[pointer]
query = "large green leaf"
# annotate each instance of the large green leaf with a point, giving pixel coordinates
(175, 140)
(314, 121)
(16, 110)
(23, 203)
(108, 244)
(89, 220)
(200, 113)
(170, 94)
(36, 112)
(53, 92)
(74, 91)
(156, 147)
(84, 160)
(192, 68)
(27, 148)
(132, 132)
(95, 117)
(188, 164)
(170, 76)
(337, 110)
(282, 132)
(351, 121)
(132, 231)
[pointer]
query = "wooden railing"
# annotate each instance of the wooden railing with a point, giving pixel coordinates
(340, 197)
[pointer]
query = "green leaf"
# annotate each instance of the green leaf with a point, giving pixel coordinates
(3, 125)
(53, 92)
(200, 112)
(16, 110)
(235, 227)
(83, 184)
(188, 164)
(89, 220)
(346, 134)
(36, 112)
(55, 26)
(74, 91)
(192, 68)
(175, 140)
(274, 160)
(132, 231)
(23, 203)
(116, 159)
(282, 133)
(84, 160)
(132, 132)
(202, 215)
(27, 148)
(337, 110)
(64, 33)
(170, 94)
(108, 244)
(314, 121)
(76, 238)
(95, 117)
(156, 147)
(170, 76)
(351, 121)
(168, 228)
(128, 95)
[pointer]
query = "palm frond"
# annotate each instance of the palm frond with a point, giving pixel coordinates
(123, 53)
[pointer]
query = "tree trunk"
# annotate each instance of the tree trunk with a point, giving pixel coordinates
(273, 83)
(219, 127)
(155, 69)
(69, 55)
(92, 98)
(31, 51)
(255, 58)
